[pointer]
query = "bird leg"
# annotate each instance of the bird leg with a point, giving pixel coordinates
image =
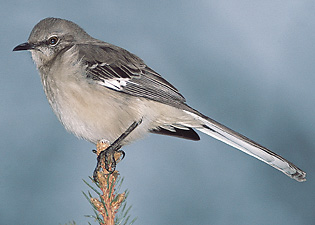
(109, 154)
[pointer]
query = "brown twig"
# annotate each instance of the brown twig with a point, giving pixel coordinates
(109, 202)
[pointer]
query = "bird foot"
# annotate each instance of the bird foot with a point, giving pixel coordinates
(108, 155)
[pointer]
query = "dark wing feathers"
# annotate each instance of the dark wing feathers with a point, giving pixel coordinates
(189, 134)
(120, 70)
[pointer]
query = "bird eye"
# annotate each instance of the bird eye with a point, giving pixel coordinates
(53, 40)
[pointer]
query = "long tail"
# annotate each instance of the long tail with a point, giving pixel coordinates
(230, 137)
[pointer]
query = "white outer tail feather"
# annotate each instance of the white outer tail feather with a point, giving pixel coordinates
(238, 141)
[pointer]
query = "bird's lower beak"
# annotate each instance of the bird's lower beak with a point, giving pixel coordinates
(24, 46)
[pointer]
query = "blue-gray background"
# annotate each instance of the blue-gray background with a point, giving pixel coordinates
(248, 64)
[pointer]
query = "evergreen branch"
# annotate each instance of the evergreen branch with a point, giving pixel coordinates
(108, 201)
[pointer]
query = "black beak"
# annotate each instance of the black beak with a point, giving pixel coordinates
(24, 46)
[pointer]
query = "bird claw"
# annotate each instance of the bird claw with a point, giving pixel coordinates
(112, 157)
(106, 152)
(106, 160)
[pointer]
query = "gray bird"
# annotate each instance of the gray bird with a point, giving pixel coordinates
(97, 90)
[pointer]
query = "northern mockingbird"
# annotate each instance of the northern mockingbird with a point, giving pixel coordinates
(97, 90)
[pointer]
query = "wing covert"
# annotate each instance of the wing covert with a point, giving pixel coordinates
(120, 70)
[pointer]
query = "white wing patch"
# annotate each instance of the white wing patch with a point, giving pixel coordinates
(97, 64)
(115, 83)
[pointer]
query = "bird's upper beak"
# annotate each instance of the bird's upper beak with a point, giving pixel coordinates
(24, 46)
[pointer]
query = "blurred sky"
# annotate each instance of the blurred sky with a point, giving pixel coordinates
(247, 64)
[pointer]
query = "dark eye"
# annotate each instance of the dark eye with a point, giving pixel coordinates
(53, 40)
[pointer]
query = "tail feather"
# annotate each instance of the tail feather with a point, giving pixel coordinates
(238, 141)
